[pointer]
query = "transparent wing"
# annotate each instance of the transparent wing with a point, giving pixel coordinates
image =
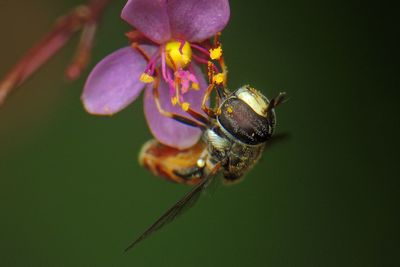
(183, 204)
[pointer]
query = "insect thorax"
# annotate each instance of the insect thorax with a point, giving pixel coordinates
(236, 157)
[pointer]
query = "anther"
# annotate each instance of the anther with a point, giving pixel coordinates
(218, 78)
(146, 78)
(195, 86)
(185, 106)
(174, 100)
(216, 53)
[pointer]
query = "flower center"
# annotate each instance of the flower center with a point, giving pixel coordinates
(178, 54)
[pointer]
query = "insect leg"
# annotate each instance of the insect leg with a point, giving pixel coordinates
(197, 116)
(207, 110)
(215, 84)
(174, 116)
(221, 59)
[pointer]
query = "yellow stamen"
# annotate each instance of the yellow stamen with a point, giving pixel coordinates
(219, 78)
(216, 53)
(185, 106)
(174, 57)
(195, 86)
(174, 100)
(146, 78)
(230, 109)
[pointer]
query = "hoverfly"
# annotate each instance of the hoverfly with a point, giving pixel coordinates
(234, 136)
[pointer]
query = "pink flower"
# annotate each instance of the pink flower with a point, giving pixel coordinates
(176, 39)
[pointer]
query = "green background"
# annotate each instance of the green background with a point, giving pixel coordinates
(72, 192)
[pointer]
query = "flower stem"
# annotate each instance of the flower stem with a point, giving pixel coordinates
(84, 17)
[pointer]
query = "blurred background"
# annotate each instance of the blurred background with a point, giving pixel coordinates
(73, 194)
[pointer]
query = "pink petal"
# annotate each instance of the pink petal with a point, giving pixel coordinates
(150, 17)
(114, 82)
(169, 131)
(197, 20)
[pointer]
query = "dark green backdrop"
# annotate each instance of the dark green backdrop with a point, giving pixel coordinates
(73, 194)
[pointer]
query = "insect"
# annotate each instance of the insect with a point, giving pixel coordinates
(234, 136)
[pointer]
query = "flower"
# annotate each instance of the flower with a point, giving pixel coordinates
(172, 39)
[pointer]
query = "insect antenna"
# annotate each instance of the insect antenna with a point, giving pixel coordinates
(281, 98)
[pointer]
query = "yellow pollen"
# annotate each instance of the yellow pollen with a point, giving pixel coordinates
(219, 78)
(229, 109)
(146, 78)
(216, 53)
(200, 163)
(185, 106)
(174, 100)
(174, 57)
(195, 86)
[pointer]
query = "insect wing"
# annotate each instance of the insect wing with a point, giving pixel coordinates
(182, 205)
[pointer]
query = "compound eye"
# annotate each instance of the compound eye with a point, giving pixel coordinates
(242, 122)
